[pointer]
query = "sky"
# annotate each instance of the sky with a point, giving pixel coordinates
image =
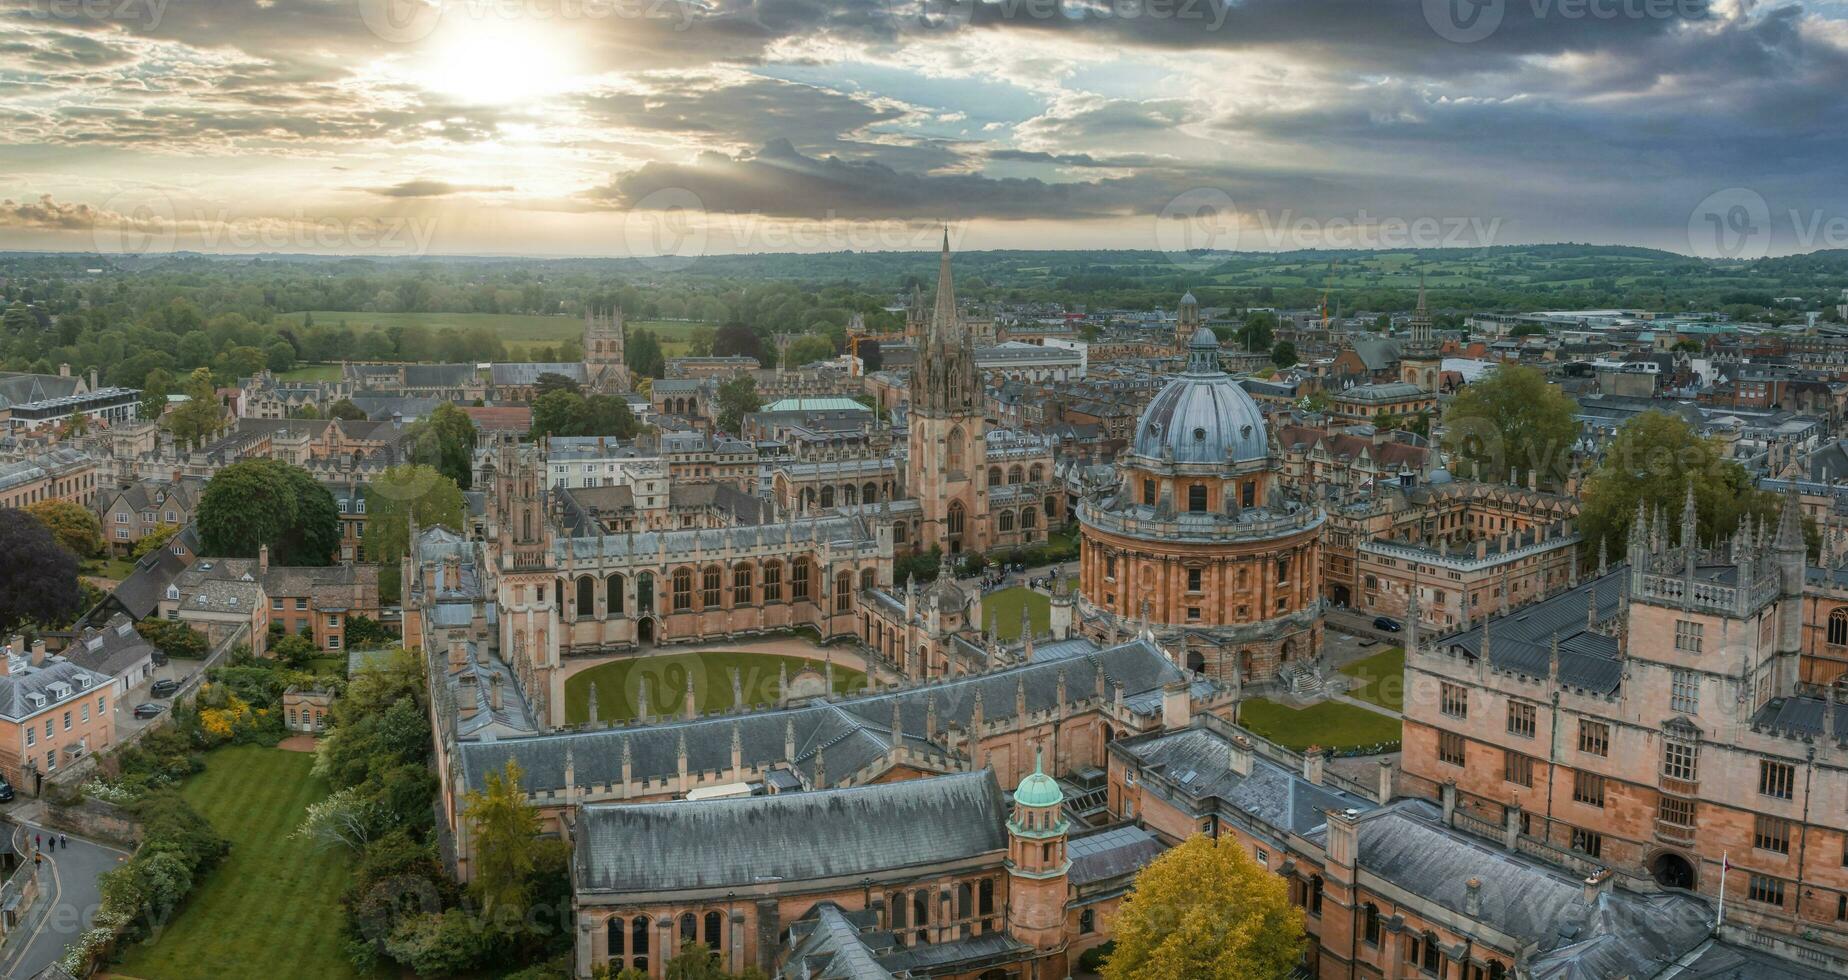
(685, 127)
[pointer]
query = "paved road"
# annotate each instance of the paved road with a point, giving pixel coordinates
(68, 896)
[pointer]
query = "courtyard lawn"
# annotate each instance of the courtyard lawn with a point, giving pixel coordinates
(1003, 608)
(1379, 679)
(312, 372)
(619, 683)
(1330, 724)
(271, 908)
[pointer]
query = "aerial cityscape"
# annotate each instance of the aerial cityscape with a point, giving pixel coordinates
(900, 489)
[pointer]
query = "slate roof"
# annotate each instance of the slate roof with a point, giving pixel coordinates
(1799, 716)
(830, 946)
(743, 841)
(1621, 934)
(23, 680)
(141, 592)
(527, 373)
(110, 650)
(1725, 961)
(25, 389)
(1111, 853)
(1521, 640)
(850, 733)
(1376, 353)
(1198, 761)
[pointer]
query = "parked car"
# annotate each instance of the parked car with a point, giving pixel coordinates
(6, 791)
(147, 709)
(164, 687)
(1388, 624)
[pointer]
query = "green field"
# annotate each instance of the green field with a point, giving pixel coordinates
(1003, 608)
(115, 569)
(1379, 679)
(619, 683)
(271, 908)
(509, 327)
(1330, 724)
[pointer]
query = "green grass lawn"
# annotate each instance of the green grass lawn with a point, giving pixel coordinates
(271, 908)
(1004, 608)
(333, 666)
(1379, 679)
(115, 569)
(312, 372)
(1330, 724)
(619, 683)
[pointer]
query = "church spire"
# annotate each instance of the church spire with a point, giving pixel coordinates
(943, 318)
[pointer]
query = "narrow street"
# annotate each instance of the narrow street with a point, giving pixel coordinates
(67, 899)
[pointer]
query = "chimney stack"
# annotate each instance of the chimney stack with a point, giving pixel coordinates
(494, 691)
(262, 560)
(38, 653)
(1176, 705)
(1240, 760)
(1472, 898)
(1313, 761)
(458, 651)
(1598, 884)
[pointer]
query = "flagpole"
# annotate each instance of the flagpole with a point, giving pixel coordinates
(1725, 866)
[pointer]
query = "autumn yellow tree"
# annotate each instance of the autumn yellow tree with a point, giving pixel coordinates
(1206, 909)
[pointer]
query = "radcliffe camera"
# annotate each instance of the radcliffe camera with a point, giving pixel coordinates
(924, 490)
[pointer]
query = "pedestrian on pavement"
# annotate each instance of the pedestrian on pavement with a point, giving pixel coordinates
(64, 842)
(36, 843)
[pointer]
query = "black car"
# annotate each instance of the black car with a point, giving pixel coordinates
(1387, 624)
(6, 791)
(164, 687)
(147, 709)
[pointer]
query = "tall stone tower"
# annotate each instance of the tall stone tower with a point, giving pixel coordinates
(1037, 864)
(1186, 321)
(1419, 360)
(520, 543)
(604, 366)
(947, 450)
(917, 319)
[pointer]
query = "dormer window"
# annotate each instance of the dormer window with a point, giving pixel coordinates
(59, 689)
(173, 592)
(37, 699)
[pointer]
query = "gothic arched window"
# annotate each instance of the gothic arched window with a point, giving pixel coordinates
(843, 592)
(683, 589)
(1004, 521)
(953, 452)
(714, 580)
(1838, 627)
(586, 597)
(773, 581)
(612, 599)
(994, 476)
(741, 585)
(956, 517)
(713, 934)
(799, 580)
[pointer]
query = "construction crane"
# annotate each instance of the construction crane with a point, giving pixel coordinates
(1327, 284)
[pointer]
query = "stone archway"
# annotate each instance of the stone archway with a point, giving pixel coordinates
(1339, 594)
(645, 630)
(1671, 870)
(1196, 661)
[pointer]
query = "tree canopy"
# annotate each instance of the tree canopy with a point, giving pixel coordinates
(256, 502)
(1512, 419)
(1206, 909)
(737, 398)
(1654, 457)
(567, 413)
(38, 578)
(400, 493)
(445, 440)
(73, 524)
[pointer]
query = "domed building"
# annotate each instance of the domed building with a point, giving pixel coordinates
(1201, 540)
